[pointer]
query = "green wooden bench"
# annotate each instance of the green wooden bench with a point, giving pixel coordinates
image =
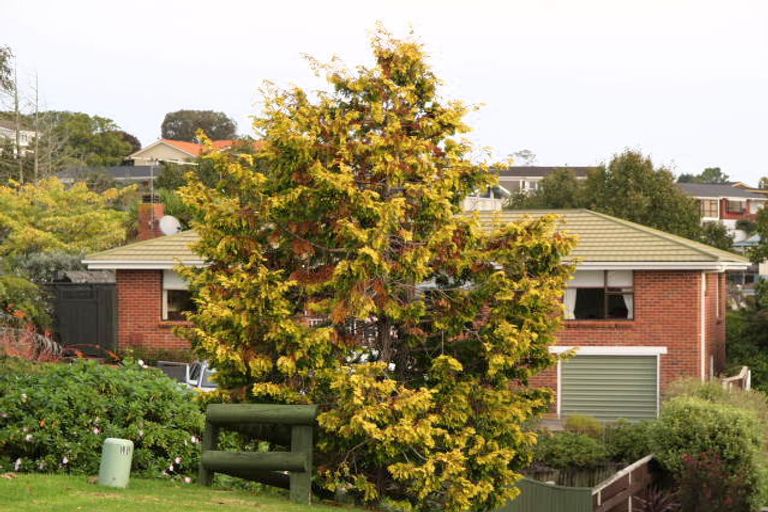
(281, 424)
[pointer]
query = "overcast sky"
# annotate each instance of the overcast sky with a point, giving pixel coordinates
(573, 81)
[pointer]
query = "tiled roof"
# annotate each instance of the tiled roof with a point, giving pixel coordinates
(161, 252)
(196, 149)
(605, 239)
(602, 239)
(717, 191)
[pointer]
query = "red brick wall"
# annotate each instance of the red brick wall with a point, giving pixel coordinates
(139, 303)
(667, 309)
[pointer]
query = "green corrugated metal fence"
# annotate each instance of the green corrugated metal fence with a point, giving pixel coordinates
(609, 387)
(540, 497)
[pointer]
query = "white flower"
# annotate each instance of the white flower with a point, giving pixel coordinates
(3, 414)
(194, 439)
(170, 468)
(28, 437)
(187, 480)
(177, 460)
(96, 430)
(65, 460)
(23, 397)
(41, 466)
(17, 464)
(141, 433)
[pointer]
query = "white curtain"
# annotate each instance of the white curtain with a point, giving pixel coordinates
(629, 303)
(570, 303)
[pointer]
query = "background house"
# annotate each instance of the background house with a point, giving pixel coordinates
(726, 204)
(8, 132)
(645, 308)
(173, 151)
(526, 179)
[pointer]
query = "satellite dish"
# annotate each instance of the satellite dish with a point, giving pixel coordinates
(169, 225)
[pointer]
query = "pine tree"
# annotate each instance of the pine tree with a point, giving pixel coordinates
(342, 273)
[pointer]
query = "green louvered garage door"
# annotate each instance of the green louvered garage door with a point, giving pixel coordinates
(609, 387)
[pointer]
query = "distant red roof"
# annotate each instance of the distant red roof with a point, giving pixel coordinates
(193, 148)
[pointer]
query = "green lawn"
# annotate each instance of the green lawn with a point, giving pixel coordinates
(61, 493)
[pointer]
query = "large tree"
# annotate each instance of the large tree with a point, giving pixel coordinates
(48, 217)
(184, 124)
(629, 187)
(712, 175)
(341, 272)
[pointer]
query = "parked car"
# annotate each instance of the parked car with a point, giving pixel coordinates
(196, 375)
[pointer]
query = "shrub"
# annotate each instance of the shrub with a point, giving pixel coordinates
(568, 450)
(690, 426)
(706, 484)
(582, 424)
(56, 418)
(43, 267)
(627, 442)
(24, 300)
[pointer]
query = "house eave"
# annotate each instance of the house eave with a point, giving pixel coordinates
(713, 266)
(140, 265)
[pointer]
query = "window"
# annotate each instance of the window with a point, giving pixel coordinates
(600, 295)
(734, 206)
(709, 208)
(177, 299)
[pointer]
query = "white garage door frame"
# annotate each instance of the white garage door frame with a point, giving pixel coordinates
(614, 350)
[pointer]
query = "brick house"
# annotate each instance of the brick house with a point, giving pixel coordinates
(725, 203)
(644, 308)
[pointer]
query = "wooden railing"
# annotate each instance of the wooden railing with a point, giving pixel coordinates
(281, 424)
(618, 492)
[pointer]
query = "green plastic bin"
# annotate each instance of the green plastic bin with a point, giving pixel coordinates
(116, 456)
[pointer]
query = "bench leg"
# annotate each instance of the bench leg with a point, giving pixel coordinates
(301, 483)
(210, 440)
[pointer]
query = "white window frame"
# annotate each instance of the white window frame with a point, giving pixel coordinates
(171, 281)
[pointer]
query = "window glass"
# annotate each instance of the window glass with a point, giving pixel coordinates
(734, 206)
(589, 303)
(709, 208)
(177, 303)
(594, 295)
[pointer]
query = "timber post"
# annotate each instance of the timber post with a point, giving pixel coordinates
(270, 423)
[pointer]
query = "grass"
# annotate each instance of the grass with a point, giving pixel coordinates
(63, 493)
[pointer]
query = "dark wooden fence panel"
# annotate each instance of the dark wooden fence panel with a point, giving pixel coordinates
(86, 314)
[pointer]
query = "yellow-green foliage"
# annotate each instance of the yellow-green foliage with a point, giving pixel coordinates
(48, 216)
(427, 326)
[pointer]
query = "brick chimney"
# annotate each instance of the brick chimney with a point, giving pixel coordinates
(149, 220)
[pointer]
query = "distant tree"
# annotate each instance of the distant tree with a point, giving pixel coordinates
(184, 124)
(631, 188)
(763, 183)
(716, 235)
(6, 69)
(130, 139)
(710, 175)
(713, 175)
(522, 157)
(76, 139)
